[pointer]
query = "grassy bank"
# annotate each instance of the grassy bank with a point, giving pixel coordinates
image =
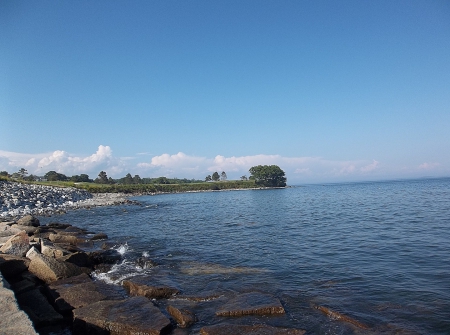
(151, 188)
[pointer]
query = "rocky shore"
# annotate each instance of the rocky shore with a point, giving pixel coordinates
(49, 270)
(17, 199)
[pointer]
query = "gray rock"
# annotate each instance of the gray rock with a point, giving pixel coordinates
(51, 250)
(136, 288)
(253, 303)
(184, 318)
(29, 220)
(17, 245)
(49, 269)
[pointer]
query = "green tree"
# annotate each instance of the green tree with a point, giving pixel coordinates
(215, 176)
(223, 176)
(268, 175)
(244, 178)
(102, 178)
(137, 179)
(22, 173)
(55, 176)
(208, 178)
(4, 173)
(162, 180)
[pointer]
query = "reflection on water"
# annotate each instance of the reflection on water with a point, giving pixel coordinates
(376, 253)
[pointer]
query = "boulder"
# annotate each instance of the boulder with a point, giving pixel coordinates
(151, 292)
(99, 236)
(12, 266)
(29, 229)
(341, 317)
(17, 245)
(183, 317)
(110, 256)
(36, 305)
(145, 263)
(50, 269)
(51, 250)
(59, 238)
(253, 303)
(80, 259)
(132, 316)
(58, 225)
(29, 220)
(229, 329)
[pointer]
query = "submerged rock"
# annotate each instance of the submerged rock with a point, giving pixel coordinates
(183, 317)
(341, 317)
(152, 292)
(253, 303)
(228, 329)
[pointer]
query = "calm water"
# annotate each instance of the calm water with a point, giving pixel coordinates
(377, 252)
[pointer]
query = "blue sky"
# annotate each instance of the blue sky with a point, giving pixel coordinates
(328, 90)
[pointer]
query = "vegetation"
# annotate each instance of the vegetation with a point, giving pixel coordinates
(268, 175)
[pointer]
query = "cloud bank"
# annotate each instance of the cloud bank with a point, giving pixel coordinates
(181, 165)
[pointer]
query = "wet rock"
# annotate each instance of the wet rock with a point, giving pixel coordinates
(132, 316)
(228, 329)
(59, 238)
(100, 236)
(253, 303)
(58, 225)
(183, 317)
(50, 269)
(36, 305)
(29, 220)
(51, 250)
(145, 263)
(110, 256)
(30, 230)
(80, 259)
(151, 292)
(12, 266)
(341, 317)
(17, 245)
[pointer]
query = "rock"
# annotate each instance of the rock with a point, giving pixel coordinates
(32, 253)
(58, 225)
(132, 316)
(58, 238)
(12, 266)
(36, 305)
(183, 317)
(150, 292)
(51, 250)
(145, 263)
(8, 231)
(341, 317)
(23, 286)
(80, 259)
(229, 329)
(17, 245)
(100, 236)
(29, 229)
(49, 269)
(253, 303)
(29, 220)
(110, 256)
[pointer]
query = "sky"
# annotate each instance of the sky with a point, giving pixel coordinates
(330, 91)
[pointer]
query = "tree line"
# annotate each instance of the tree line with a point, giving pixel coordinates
(262, 175)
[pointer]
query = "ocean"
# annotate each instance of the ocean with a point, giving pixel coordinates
(376, 252)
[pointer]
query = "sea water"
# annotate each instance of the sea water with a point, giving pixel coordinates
(377, 252)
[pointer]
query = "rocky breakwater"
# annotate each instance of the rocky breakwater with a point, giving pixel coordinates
(49, 269)
(17, 199)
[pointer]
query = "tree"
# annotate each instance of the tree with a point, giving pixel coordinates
(4, 173)
(102, 178)
(137, 179)
(268, 175)
(162, 180)
(55, 176)
(244, 177)
(82, 178)
(208, 178)
(223, 176)
(22, 173)
(215, 176)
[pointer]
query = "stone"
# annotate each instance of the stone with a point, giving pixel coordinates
(51, 250)
(59, 238)
(253, 303)
(58, 225)
(32, 253)
(17, 245)
(183, 317)
(230, 329)
(145, 263)
(29, 220)
(23, 286)
(8, 231)
(12, 266)
(80, 259)
(29, 229)
(150, 292)
(99, 236)
(135, 315)
(110, 256)
(49, 269)
(341, 317)
(36, 305)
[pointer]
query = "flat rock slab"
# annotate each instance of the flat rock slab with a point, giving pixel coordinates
(49, 269)
(151, 292)
(227, 329)
(253, 303)
(136, 315)
(184, 317)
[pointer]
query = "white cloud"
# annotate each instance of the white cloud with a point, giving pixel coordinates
(370, 167)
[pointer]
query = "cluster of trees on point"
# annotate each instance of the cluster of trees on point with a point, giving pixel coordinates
(262, 175)
(216, 177)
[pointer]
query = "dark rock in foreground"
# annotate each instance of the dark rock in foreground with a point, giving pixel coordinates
(132, 316)
(253, 303)
(226, 329)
